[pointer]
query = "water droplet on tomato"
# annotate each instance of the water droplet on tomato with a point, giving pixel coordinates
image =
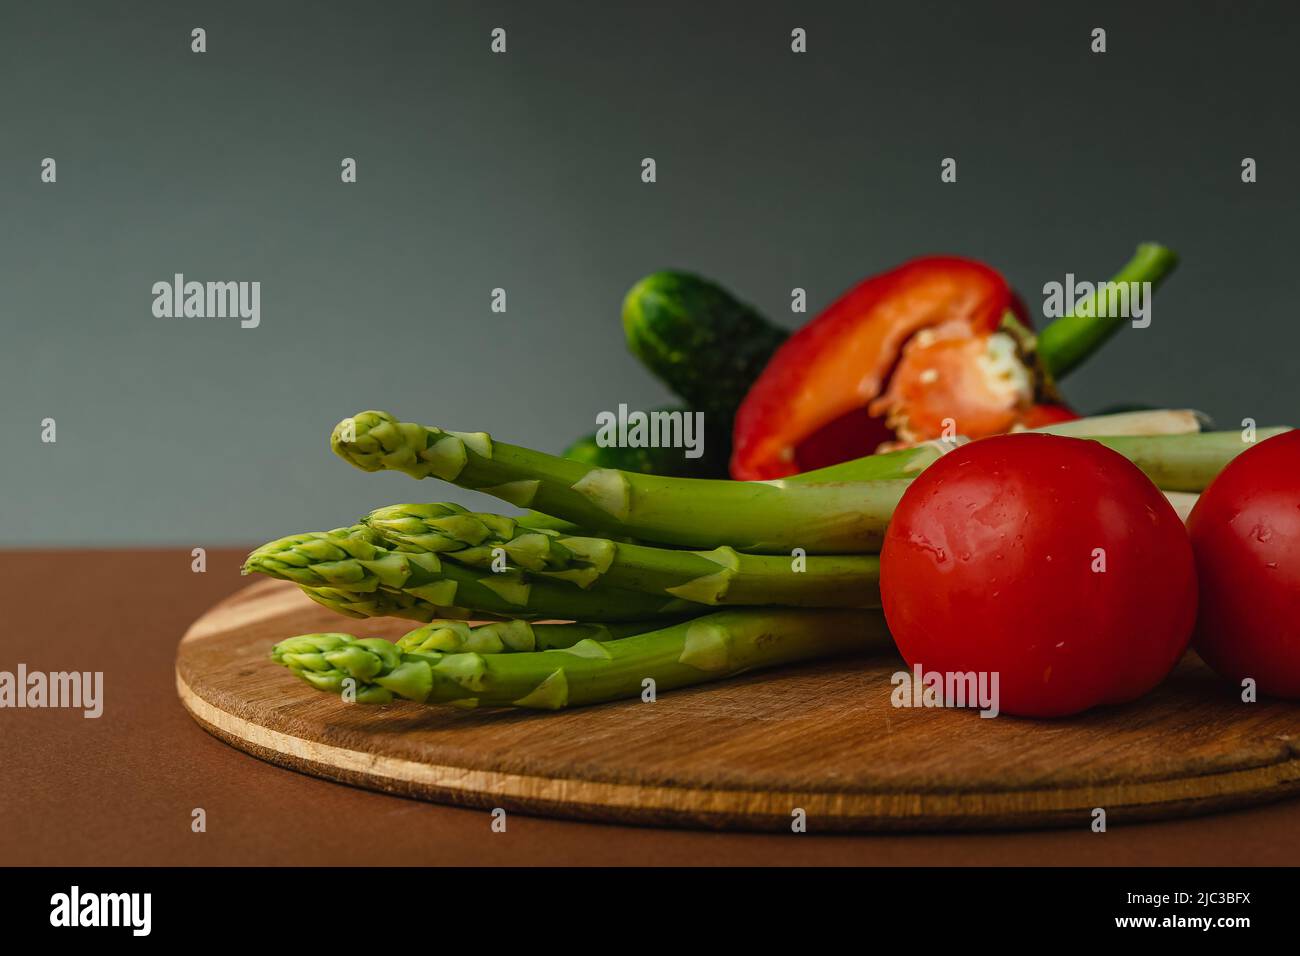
(925, 544)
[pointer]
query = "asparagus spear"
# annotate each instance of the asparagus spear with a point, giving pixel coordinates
(1184, 462)
(709, 648)
(400, 604)
(840, 509)
(1177, 461)
(391, 604)
(907, 462)
(720, 576)
(353, 561)
(1147, 421)
(902, 463)
(501, 637)
(326, 660)
(687, 512)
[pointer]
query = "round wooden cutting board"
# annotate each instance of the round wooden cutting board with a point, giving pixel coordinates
(746, 753)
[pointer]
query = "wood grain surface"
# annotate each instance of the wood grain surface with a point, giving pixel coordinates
(744, 753)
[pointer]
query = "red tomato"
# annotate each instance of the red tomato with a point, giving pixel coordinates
(1246, 534)
(994, 563)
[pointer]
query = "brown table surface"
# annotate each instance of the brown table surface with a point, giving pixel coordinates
(121, 789)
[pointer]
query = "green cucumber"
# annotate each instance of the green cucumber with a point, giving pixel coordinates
(705, 345)
(698, 339)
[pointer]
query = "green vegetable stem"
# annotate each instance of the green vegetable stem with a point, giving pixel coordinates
(340, 567)
(705, 649)
(772, 517)
(720, 576)
(1067, 341)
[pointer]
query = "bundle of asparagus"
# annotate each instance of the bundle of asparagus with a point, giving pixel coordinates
(640, 564)
(354, 561)
(589, 670)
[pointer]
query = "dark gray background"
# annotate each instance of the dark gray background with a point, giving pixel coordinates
(522, 171)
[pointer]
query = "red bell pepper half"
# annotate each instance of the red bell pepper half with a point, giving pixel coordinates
(889, 360)
(937, 347)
